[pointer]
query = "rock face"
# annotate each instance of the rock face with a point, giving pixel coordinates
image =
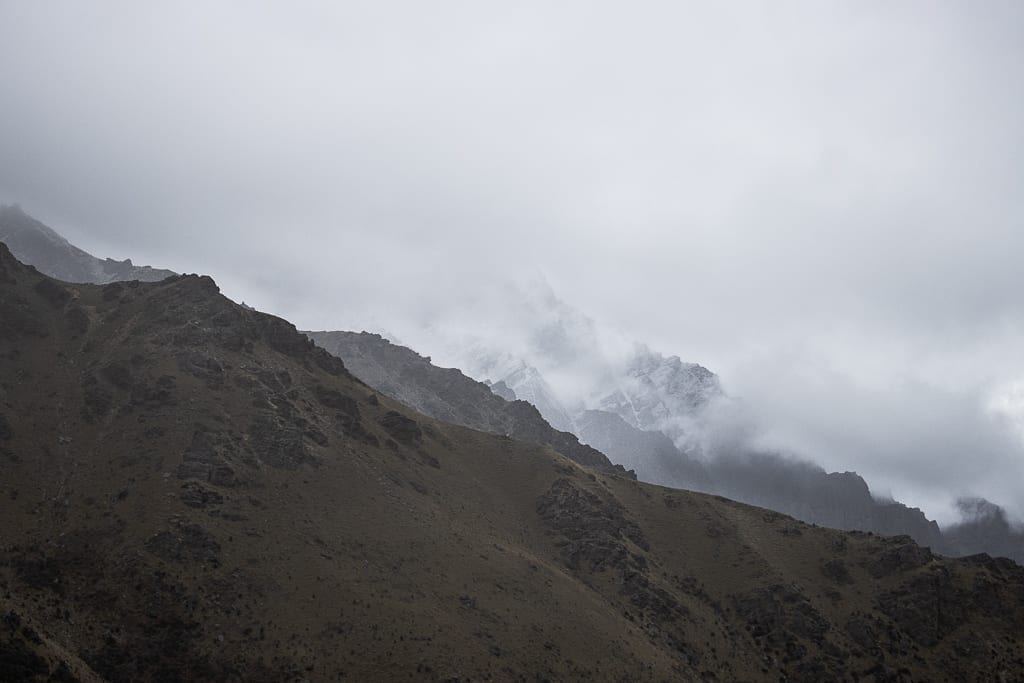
(658, 393)
(656, 396)
(499, 388)
(527, 384)
(984, 529)
(802, 490)
(651, 454)
(194, 491)
(34, 243)
(809, 493)
(648, 423)
(446, 394)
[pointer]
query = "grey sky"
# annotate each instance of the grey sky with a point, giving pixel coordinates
(820, 201)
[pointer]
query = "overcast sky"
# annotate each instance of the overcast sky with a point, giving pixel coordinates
(821, 201)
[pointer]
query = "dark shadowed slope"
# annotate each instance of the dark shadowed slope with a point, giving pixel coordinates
(984, 528)
(447, 394)
(841, 500)
(32, 242)
(807, 492)
(651, 454)
(193, 491)
(662, 391)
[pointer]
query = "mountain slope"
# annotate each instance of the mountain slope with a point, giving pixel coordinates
(193, 491)
(841, 500)
(446, 394)
(658, 393)
(651, 454)
(807, 492)
(529, 385)
(802, 490)
(32, 242)
(653, 391)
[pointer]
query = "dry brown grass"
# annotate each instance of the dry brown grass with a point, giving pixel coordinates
(192, 491)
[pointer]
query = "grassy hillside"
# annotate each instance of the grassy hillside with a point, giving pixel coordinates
(192, 490)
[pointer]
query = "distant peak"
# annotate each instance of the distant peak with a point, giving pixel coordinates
(203, 283)
(9, 263)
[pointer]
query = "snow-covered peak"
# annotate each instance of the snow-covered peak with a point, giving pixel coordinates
(528, 384)
(655, 392)
(564, 362)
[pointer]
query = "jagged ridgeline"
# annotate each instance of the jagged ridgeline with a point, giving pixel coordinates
(638, 426)
(805, 491)
(194, 491)
(33, 242)
(447, 394)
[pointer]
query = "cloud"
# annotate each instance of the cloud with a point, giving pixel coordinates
(818, 201)
(918, 432)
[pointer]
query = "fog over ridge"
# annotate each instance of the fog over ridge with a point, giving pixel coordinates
(818, 203)
(919, 440)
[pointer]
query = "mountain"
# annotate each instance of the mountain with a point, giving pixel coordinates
(840, 500)
(515, 377)
(984, 525)
(651, 454)
(656, 393)
(653, 415)
(35, 243)
(648, 396)
(499, 388)
(528, 384)
(195, 491)
(447, 394)
(800, 489)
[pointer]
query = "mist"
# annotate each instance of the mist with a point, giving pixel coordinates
(819, 203)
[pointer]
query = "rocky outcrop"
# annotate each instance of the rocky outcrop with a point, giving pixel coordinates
(233, 505)
(35, 243)
(447, 394)
(651, 454)
(984, 528)
(500, 388)
(840, 500)
(527, 384)
(659, 393)
(804, 491)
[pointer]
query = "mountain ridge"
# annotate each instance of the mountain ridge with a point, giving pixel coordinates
(33, 242)
(198, 492)
(449, 395)
(671, 395)
(804, 491)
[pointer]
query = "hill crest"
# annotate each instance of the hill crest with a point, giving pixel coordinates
(195, 491)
